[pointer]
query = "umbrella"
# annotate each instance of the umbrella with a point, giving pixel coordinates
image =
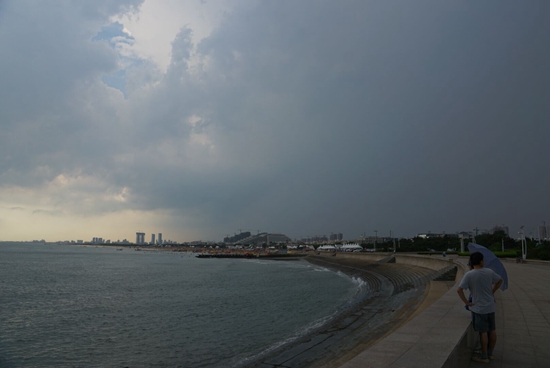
(491, 261)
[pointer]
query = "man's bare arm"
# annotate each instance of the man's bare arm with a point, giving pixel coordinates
(497, 285)
(460, 292)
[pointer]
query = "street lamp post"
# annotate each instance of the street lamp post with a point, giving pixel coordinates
(375, 239)
(525, 247)
(523, 244)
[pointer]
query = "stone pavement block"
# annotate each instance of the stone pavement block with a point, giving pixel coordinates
(433, 349)
(372, 360)
(537, 327)
(453, 322)
(415, 328)
(445, 304)
(528, 308)
(516, 315)
(543, 354)
(422, 322)
(506, 295)
(532, 315)
(404, 337)
(476, 364)
(520, 346)
(541, 335)
(433, 314)
(512, 365)
(443, 335)
(518, 355)
(421, 356)
(526, 363)
(388, 346)
(516, 330)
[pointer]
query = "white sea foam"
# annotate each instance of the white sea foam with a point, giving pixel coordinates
(321, 269)
(359, 281)
(296, 336)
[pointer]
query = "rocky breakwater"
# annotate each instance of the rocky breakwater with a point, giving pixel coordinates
(392, 292)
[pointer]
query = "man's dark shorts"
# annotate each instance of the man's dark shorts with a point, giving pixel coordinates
(483, 322)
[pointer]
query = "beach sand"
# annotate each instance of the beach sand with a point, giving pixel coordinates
(391, 301)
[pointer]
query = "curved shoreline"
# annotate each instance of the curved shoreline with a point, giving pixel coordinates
(395, 293)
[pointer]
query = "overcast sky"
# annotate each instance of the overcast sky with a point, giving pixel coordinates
(199, 118)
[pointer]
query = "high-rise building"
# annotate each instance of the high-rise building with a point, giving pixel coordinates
(140, 238)
(542, 233)
(500, 228)
(153, 239)
(160, 239)
(335, 236)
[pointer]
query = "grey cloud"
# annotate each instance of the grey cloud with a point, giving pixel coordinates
(103, 9)
(47, 212)
(55, 111)
(182, 46)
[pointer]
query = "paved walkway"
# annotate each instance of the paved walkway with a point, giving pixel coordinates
(523, 318)
(442, 336)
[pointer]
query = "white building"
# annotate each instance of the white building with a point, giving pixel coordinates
(351, 247)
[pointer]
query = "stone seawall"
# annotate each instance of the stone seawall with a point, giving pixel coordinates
(437, 337)
(395, 291)
(432, 262)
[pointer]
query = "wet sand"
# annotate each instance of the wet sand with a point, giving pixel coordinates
(396, 293)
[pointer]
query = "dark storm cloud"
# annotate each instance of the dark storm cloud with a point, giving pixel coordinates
(300, 117)
(366, 115)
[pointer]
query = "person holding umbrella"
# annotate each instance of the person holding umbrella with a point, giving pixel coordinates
(482, 283)
(490, 260)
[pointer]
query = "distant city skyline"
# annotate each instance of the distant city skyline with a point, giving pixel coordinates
(540, 232)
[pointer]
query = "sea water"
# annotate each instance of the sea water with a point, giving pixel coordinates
(75, 306)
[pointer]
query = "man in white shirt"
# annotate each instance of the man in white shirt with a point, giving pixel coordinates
(483, 283)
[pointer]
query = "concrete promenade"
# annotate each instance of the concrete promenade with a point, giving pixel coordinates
(523, 318)
(441, 335)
